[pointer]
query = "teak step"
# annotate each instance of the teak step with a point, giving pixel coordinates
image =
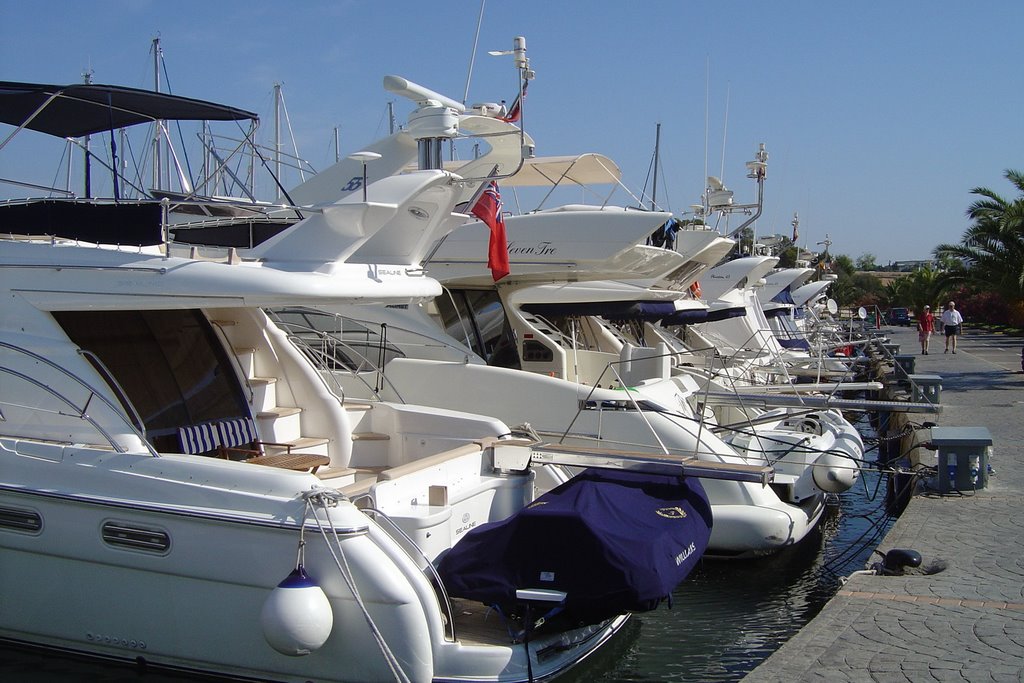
(300, 445)
(281, 423)
(264, 392)
(278, 412)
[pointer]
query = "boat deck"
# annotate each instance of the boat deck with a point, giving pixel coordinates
(478, 624)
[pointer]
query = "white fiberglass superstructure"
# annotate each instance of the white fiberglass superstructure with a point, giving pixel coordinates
(166, 443)
(523, 367)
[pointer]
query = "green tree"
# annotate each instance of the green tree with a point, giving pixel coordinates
(788, 257)
(895, 293)
(843, 265)
(866, 262)
(925, 286)
(992, 248)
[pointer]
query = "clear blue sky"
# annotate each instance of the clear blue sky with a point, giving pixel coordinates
(879, 117)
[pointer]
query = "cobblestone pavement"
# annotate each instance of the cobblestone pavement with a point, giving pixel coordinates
(964, 621)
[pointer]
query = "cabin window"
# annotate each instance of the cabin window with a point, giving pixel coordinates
(477, 319)
(170, 364)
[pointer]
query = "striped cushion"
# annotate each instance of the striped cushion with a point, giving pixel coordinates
(237, 432)
(199, 438)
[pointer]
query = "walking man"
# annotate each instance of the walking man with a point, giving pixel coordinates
(951, 323)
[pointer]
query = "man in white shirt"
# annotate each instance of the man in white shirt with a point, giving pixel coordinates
(951, 322)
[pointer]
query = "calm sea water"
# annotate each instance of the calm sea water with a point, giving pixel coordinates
(724, 620)
(728, 617)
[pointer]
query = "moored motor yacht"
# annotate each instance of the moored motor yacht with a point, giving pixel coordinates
(518, 362)
(164, 443)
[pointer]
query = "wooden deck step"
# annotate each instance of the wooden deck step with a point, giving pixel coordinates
(300, 445)
(278, 412)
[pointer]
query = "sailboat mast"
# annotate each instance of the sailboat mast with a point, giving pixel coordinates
(158, 125)
(277, 130)
(657, 150)
(87, 78)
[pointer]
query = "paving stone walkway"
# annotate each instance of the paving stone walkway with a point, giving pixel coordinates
(965, 621)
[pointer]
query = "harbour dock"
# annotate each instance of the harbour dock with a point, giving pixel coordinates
(960, 615)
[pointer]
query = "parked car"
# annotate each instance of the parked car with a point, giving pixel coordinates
(898, 316)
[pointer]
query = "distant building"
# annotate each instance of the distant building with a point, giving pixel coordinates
(911, 266)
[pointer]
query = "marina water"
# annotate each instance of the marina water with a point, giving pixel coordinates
(724, 620)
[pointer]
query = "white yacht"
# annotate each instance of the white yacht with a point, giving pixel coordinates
(181, 487)
(501, 349)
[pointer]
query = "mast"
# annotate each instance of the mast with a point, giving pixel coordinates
(657, 149)
(158, 125)
(87, 78)
(277, 130)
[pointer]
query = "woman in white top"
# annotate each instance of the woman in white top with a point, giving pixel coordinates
(951, 322)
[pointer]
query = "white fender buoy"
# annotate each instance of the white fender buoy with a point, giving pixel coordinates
(834, 473)
(297, 616)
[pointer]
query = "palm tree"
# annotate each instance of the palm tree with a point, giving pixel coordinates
(925, 286)
(992, 248)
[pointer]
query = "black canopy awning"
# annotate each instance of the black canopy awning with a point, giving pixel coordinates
(775, 312)
(716, 314)
(70, 111)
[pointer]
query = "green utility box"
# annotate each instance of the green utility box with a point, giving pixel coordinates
(963, 457)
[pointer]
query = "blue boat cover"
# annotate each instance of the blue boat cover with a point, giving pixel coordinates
(613, 541)
(795, 344)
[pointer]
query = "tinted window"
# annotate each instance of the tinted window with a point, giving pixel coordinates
(477, 318)
(169, 363)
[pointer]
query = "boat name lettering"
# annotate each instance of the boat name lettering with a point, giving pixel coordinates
(353, 184)
(464, 528)
(379, 271)
(117, 642)
(681, 557)
(539, 249)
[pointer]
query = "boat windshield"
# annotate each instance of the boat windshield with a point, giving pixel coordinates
(477, 319)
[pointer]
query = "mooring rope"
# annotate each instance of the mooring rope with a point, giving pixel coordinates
(325, 498)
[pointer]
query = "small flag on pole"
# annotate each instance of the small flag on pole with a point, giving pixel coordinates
(488, 209)
(516, 110)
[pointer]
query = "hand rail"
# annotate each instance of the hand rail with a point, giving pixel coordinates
(81, 412)
(122, 394)
(325, 358)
